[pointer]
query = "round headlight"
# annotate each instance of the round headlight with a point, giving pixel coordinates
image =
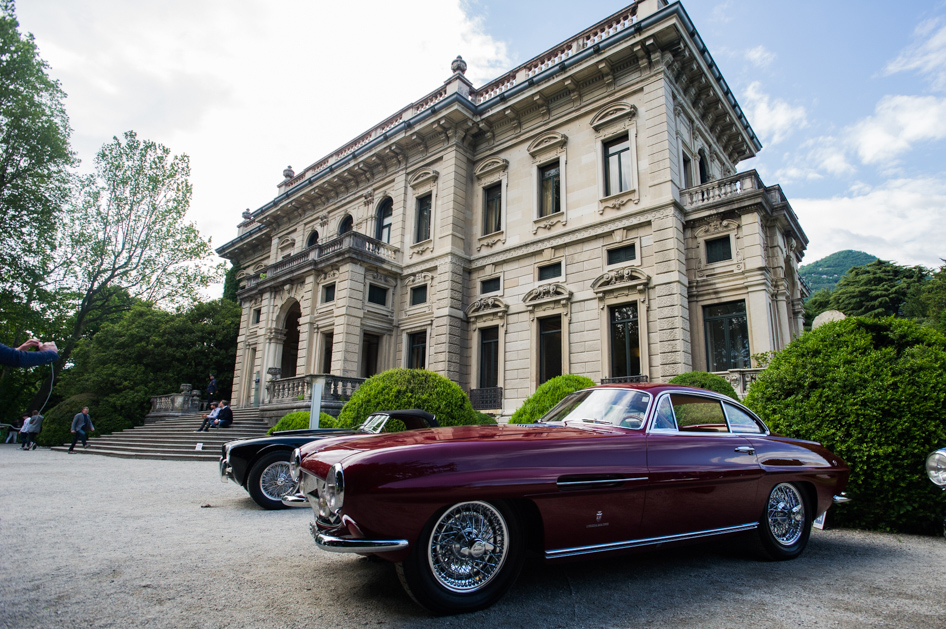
(295, 464)
(936, 467)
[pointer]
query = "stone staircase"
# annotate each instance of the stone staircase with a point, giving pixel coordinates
(174, 438)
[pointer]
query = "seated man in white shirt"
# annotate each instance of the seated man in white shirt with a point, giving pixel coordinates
(209, 418)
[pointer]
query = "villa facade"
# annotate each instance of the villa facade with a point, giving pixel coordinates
(582, 214)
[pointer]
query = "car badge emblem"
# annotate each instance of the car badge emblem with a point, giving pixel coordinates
(598, 517)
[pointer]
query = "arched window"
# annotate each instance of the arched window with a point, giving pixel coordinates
(348, 223)
(385, 219)
(704, 172)
(313, 239)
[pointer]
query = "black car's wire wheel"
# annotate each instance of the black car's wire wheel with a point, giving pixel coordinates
(269, 480)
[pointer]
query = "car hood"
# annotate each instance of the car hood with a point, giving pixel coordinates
(518, 436)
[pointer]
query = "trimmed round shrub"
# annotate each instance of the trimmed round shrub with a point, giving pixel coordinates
(873, 392)
(299, 420)
(484, 418)
(398, 389)
(547, 396)
(705, 380)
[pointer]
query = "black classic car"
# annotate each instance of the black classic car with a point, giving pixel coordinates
(261, 465)
(936, 470)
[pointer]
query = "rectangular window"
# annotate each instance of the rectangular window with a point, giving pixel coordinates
(328, 293)
(550, 271)
(377, 295)
(422, 231)
(550, 348)
(491, 285)
(687, 179)
(328, 343)
(489, 357)
(625, 342)
(698, 414)
(550, 182)
(622, 254)
(718, 249)
(727, 336)
(370, 348)
(492, 209)
(418, 350)
(419, 295)
(257, 313)
(617, 166)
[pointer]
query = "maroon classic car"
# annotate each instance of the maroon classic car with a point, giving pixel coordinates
(612, 468)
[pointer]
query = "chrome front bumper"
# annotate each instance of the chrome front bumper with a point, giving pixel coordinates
(295, 499)
(335, 544)
(226, 472)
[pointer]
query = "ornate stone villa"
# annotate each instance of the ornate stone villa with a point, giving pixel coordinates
(580, 214)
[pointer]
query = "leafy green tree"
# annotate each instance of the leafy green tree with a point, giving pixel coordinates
(125, 232)
(151, 352)
(34, 154)
(873, 392)
(927, 302)
(878, 289)
(705, 380)
(230, 282)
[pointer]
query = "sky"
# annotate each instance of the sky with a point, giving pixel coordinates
(848, 97)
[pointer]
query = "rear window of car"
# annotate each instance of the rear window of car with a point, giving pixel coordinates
(741, 421)
(698, 414)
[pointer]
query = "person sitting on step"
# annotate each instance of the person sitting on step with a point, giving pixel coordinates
(224, 417)
(209, 417)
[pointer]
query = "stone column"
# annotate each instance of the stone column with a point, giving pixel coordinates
(673, 355)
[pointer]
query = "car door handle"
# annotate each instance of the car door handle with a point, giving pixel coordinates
(745, 450)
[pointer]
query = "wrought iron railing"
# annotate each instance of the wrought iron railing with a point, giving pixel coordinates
(619, 379)
(486, 398)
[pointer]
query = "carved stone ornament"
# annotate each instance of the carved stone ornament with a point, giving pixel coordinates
(423, 177)
(491, 167)
(485, 310)
(287, 243)
(420, 249)
(717, 225)
(613, 113)
(419, 278)
(327, 274)
(381, 278)
(458, 65)
(626, 281)
(551, 141)
(617, 201)
(547, 296)
(490, 242)
(547, 222)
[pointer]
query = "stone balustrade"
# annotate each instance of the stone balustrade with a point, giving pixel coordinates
(741, 379)
(184, 403)
(721, 189)
(352, 241)
(299, 388)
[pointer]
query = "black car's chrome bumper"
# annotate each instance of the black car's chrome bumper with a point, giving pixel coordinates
(295, 498)
(335, 544)
(226, 472)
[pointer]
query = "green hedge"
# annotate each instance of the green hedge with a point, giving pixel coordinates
(398, 389)
(300, 419)
(705, 380)
(547, 396)
(872, 391)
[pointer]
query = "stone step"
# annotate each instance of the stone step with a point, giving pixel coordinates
(174, 438)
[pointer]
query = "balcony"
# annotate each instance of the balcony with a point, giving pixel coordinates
(489, 398)
(350, 244)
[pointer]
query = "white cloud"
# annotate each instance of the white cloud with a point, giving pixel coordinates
(903, 220)
(772, 118)
(246, 87)
(898, 123)
(926, 55)
(760, 56)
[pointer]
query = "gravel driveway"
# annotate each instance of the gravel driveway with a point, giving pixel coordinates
(120, 543)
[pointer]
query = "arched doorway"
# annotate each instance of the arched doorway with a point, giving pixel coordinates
(348, 223)
(290, 346)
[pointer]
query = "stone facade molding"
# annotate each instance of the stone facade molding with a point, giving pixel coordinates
(548, 297)
(621, 283)
(547, 145)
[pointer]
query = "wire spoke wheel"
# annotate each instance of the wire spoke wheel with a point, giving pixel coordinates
(275, 481)
(785, 514)
(468, 546)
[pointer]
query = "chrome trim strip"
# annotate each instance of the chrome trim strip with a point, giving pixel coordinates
(295, 500)
(600, 548)
(840, 500)
(341, 545)
(572, 483)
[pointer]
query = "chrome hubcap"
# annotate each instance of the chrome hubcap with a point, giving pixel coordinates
(468, 546)
(275, 481)
(786, 514)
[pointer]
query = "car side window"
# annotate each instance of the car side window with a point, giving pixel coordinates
(741, 421)
(663, 416)
(698, 414)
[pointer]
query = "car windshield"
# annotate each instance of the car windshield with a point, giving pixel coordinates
(375, 423)
(617, 407)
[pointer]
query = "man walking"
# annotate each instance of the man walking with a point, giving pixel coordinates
(81, 427)
(36, 424)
